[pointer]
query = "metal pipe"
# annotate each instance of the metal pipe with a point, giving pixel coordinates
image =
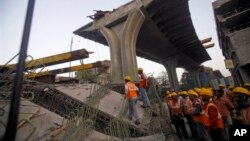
(10, 132)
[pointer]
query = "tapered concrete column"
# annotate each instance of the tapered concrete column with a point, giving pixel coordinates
(115, 54)
(195, 75)
(122, 42)
(170, 66)
(130, 32)
(244, 75)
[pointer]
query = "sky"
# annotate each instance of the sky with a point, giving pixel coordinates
(55, 20)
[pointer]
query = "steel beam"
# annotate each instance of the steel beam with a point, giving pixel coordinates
(97, 64)
(52, 60)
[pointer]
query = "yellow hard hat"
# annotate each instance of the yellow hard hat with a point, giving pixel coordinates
(173, 94)
(169, 95)
(192, 92)
(241, 90)
(127, 78)
(183, 92)
(140, 69)
(207, 92)
(221, 85)
(197, 90)
(247, 84)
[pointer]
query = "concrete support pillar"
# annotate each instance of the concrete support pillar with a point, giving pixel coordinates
(115, 54)
(195, 76)
(244, 75)
(170, 66)
(122, 42)
(130, 32)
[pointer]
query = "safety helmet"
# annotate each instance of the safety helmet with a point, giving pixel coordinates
(127, 78)
(221, 85)
(206, 91)
(140, 69)
(247, 84)
(192, 92)
(183, 93)
(169, 95)
(197, 90)
(241, 90)
(173, 94)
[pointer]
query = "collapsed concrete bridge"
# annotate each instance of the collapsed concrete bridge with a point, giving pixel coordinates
(158, 30)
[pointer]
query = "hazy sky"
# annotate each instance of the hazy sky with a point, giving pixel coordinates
(55, 20)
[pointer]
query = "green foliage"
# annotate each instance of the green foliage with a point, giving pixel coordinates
(86, 76)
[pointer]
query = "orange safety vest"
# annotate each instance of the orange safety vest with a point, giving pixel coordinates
(175, 106)
(246, 116)
(207, 121)
(188, 106)
(198, 118)
(143, 81)
(131, 90)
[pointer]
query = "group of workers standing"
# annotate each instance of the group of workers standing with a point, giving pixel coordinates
(209, 113)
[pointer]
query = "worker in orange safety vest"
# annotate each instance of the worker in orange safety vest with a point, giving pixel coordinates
(188, 110)
(212, 119)
(177, 115)
(142, 88)
(131, 95)
(201, 134)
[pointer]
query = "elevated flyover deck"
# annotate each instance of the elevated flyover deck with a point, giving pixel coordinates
(165, 32)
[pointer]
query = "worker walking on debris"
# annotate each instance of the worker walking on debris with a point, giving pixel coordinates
(131, 94)
(142, 88)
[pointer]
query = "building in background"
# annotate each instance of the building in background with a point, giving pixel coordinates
(207, 77)
(232, 19)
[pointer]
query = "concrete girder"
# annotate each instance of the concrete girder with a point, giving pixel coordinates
(164, 17)
(159, 47)
(162, 9)
(174, 24)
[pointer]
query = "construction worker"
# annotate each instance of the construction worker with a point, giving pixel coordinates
(188, 110)
(242, 97)
(230, 95)
(225, 107)
(223, 88)
(212, 119)
(167, 101)
(247, 86)
(142, 88)
(177, 115)
(201, 133)
(131, 95)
